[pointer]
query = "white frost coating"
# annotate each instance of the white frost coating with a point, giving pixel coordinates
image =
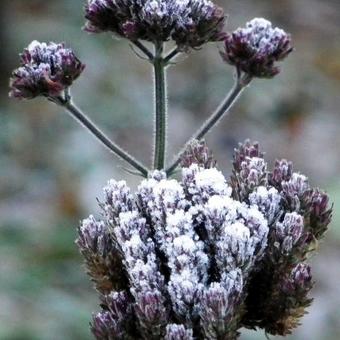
(175, 209)
(268, 202)
(169, 189)
(262, 34)
(211, 178)
(238, 231)
(184, 243)
(221, 209)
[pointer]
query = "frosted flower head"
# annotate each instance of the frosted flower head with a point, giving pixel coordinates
(45, 70)
(256, 48)
(201, 257)
(190, 23)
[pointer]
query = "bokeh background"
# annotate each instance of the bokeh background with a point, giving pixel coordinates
(51, 171)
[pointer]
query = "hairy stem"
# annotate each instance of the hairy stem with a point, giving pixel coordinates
(160, 108)
(79, 116)
(224, 107)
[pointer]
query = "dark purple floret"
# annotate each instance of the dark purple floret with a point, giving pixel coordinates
(256, 48)
(189, 23)
(46, 70)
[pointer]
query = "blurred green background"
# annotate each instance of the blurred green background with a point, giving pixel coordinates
(51, 171)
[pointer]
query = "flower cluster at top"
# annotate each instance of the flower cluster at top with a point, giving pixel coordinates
(256, 48)
(190, 23)
(46, 69)
(202, 257)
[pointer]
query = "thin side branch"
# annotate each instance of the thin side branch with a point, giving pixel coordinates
(81, 118)
(222, 110)
(172, 54)
(145, 50)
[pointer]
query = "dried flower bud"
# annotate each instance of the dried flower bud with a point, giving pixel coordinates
(282, 171)
(219, 303)
(250, 170)
(198, 153)
(320, 214)
(268, 201)
(116, 319)
(46, 70)
(104, 326)
(289, 232)
(296, 192)
(102, 258)
(189, 23)
(256, 48)
(300, 280)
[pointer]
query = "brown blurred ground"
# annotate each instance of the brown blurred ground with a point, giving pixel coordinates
(51, 171)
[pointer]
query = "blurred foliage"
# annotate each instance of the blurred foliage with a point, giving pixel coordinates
(51, 171)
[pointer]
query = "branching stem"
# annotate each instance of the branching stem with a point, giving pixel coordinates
(223, 109)
(81, 118)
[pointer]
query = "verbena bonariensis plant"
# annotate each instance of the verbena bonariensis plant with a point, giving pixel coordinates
(203, 256)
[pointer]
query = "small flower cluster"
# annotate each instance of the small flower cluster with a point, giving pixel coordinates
(201, 258)
(256, 48)
(190, 23)
(46, 69)
(297, 216)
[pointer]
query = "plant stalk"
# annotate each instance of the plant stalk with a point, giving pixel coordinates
(81, 118)
(160, 129)
(224, 108)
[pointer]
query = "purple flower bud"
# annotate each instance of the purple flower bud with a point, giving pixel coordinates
(256, 48)
(46, 70)
(299, 282)
(289, 232)
(296, 192)
(283, 171)
(250, 170)
(178, 332)
(198, 153)
(321, 213)
(151, 313)
(104, 326)
(246, 150)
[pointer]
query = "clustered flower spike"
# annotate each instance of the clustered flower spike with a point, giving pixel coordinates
(256, 48)
(46, 70)
(190, 23)
(201, 258)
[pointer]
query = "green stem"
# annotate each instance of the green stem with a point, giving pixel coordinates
(223, 109)
(160, 108)
(79, 116)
